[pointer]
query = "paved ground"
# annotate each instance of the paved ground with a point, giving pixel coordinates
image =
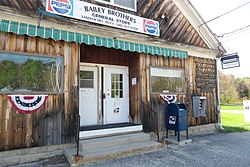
(229, 150)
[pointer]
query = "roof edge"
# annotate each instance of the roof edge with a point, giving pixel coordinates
(75, 26)
(196, 20)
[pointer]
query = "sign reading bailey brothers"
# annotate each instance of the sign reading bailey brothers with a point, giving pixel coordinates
(101, 15)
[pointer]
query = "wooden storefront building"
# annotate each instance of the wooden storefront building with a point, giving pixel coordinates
(105, 74)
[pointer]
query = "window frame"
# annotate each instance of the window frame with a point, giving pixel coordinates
(120, 6)
(118, 89)
(81, 79)
(42, 56)
(167, 68)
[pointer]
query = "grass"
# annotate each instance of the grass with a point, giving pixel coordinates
(234, 122)
(231, 107)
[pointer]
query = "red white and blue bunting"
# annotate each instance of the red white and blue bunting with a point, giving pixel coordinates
(169, 98)
(27, 104)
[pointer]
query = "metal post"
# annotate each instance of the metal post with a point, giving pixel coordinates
(218, 97)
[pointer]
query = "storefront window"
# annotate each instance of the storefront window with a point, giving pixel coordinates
(164, 80)
(30, 73)
(128, 4)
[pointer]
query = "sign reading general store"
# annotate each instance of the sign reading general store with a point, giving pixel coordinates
(97, 14)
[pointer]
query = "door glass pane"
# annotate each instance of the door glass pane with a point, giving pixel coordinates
(113, 93)
(116, 77)
(86, 84)
(116, 93)
(116, 85)
(112, 85)
(86, 79)
(86, 75)
(120, 79)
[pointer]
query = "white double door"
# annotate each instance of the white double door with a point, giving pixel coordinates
(104, 95)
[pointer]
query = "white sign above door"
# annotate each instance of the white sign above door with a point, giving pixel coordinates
(97, 14)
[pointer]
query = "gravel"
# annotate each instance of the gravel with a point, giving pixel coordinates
(224, 150)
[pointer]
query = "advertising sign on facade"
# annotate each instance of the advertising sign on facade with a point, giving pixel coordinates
(101, 15)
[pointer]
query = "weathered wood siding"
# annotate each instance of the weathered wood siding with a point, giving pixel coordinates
(110, 56)
(174, 26)
(190, 67)
(139, 68)
(52, 124)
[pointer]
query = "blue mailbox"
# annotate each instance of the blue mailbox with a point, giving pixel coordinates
(176, 118)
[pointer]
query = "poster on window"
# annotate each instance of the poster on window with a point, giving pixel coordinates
(27, 104)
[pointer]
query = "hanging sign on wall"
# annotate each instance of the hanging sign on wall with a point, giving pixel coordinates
(27, 104)
(205, 77)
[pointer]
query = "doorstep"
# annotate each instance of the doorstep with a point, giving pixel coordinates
(108, 130)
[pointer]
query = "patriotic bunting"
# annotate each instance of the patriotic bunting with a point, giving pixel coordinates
(169, 98)
(27, 104)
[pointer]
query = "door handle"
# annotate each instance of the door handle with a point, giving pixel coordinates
(103, 96)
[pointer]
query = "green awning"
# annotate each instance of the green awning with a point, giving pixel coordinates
(57, 34)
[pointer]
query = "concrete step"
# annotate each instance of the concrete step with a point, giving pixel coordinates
(88, 134)
(97, 143)
(101, 154)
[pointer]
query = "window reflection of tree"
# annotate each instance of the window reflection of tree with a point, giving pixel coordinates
(9, 74)
(30, 73)
(55, 76)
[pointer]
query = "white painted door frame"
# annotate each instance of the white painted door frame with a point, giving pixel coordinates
(116, 90)
(88, 95)
(123, 113)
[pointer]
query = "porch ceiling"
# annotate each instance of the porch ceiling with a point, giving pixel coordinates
(69, 36)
